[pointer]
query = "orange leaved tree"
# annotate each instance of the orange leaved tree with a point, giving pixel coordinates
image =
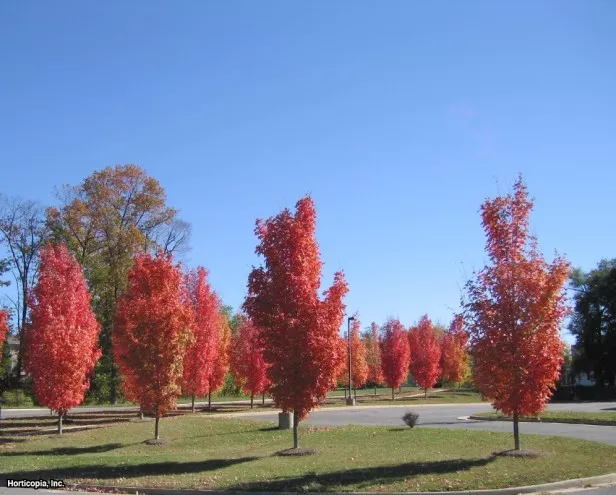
(203, 350)
(299, 329)
(373, 355)
(4, 326)
(62, 338)
(426, 354)
(514, 310)
(395, 354)
(152, 330)
(359, 367)
(223, 358)
(454, 352)
(247, 362)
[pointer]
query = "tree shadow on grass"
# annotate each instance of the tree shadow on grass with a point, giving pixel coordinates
(269, 428)
(94, 449)
(103, 472)
(11, 440)
(361, 477)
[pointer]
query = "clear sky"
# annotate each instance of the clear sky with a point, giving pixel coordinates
(399, 118)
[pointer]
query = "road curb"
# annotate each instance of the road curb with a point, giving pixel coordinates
(590, 422)
(557, 485)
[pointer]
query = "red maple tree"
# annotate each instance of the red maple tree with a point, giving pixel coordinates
(454, 352)
(62, 338)
(426, 351)
(299, 330)
(247, 362)
(342, 362)
(152, 330)
(202, 353)
(514, 310)
(359, 367)
(373, 356)
(4, 326)
(395, 354)
(223, 358)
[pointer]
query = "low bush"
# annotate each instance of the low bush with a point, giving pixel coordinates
(410, 419)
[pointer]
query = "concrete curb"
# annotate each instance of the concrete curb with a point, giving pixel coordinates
(574, 483)
(591, 422)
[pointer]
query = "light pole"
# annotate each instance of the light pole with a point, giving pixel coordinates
(350, 398)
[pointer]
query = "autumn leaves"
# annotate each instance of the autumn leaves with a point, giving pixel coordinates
(169, 335)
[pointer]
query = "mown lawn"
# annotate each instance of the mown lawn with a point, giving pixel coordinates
(380, 391)
(569, 416)
(236, 454)
(444, 397)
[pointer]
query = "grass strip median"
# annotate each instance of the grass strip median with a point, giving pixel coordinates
(237, 454)
(601, 418)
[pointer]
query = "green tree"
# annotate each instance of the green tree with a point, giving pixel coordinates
(112, 216)
(594, 322)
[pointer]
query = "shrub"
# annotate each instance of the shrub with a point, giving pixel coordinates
(410, 418)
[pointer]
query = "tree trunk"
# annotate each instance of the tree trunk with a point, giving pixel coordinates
(209, 401)
(193, 402)
(59, 423)
(392, 393)
(355, 393)
(51, 412)
(516, 431)
(375, 389)
(114, 388)
(252, 399)
(345, 393)
(426, 393)
(295, 425)
(156, 431)
(140, 414)
(263, 399)
(20, 332)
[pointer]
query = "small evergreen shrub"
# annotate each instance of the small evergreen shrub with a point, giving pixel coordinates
(410, 419)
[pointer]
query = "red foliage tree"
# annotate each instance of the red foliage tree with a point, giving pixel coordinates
(223, 359)
(514, 310)
(454, 352)
(373, 356)
(152, 331)
(395, 354)
(247, 362)
(342, 362)
(300, 330)
(202, 353)
(4, 326)
(359, 367)
(62, 339)
(426, 351)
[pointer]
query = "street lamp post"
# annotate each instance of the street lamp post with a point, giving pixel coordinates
(350, 398)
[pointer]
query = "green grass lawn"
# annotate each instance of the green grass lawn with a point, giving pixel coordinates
(235, 454)
(445, 397)
(407, 389)
(599, 417)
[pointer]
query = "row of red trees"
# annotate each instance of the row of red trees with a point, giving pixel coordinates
(389, 355)
(170, 335)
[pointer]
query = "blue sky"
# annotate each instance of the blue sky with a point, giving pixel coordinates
(399, 118)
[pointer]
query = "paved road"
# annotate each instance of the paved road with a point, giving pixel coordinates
(36, 412)
(446, 416)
